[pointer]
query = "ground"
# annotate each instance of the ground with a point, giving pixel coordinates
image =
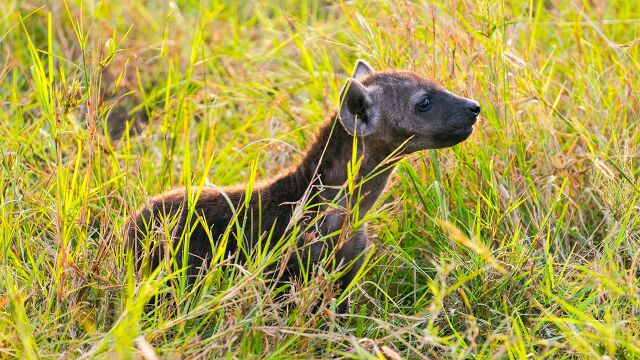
(524, 241)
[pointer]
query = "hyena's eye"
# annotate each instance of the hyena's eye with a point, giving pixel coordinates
(423, 105)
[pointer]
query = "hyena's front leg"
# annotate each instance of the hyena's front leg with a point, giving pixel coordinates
(351, 255)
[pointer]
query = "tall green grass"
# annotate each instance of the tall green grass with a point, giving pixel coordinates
(521, 242)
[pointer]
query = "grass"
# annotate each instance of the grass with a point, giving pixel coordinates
(521, 242)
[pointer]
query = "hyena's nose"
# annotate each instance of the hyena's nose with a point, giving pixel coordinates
(474, 107)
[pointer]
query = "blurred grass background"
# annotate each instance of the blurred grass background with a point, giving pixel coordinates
(522, 242)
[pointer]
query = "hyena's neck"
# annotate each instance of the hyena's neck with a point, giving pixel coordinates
(323, 171)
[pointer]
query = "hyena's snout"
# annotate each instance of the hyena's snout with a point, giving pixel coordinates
(474, 107)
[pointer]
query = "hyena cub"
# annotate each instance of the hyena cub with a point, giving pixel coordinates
(385, 115)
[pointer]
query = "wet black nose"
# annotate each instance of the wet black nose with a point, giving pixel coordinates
(474, 107)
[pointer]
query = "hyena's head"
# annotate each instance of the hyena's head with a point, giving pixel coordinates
(402, 108)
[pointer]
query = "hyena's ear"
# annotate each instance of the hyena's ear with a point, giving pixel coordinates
(362, 69)
(356, 114)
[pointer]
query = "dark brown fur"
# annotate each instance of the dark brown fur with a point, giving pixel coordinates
(376, 110)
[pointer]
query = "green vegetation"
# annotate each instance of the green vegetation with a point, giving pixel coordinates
(524, 241)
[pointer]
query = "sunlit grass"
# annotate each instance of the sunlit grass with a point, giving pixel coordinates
(521, 242)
